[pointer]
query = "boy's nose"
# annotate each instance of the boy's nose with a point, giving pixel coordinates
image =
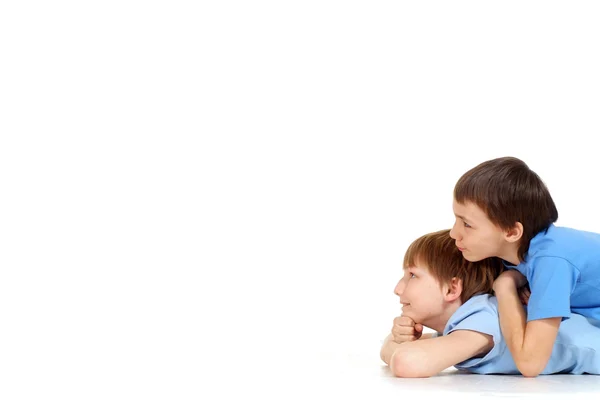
(454, 232)
(399, 289)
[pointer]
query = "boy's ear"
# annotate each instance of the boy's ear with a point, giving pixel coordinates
(515, 233)
(454, 289)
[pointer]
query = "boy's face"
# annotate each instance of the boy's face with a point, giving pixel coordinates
(476, 236)
(421, 296)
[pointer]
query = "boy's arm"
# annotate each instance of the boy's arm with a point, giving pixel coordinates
(530, 343)
(389, 346)
(425, 358)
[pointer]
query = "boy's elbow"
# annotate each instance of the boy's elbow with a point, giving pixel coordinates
(382, 354)
(404, 365)
(529, 369)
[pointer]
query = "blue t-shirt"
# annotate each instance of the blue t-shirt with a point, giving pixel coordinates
(562, 266)
(576, 350)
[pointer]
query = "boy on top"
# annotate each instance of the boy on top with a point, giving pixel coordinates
(503, 209)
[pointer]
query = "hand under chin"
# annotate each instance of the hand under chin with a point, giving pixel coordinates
(406, 312)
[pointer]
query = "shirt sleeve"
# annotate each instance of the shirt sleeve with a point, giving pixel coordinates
(482, 321)
(552, 281)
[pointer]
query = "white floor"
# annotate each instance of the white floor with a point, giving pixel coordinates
(299, 372)
(358, 374)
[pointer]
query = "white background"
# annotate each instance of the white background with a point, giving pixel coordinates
(200, 194)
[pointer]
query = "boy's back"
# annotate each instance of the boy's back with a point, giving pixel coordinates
(563, 265)
(576, 350)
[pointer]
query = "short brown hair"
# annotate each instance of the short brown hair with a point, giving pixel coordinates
(509, 192)
(444, 261)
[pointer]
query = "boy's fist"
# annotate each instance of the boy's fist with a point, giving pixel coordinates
(406, 330)
(524, 294)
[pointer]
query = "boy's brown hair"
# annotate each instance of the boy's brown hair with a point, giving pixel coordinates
(509, 192)
(438, 252)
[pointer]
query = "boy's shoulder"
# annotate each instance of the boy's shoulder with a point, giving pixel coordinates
(563, 242)
(566, 233)
(479, 313)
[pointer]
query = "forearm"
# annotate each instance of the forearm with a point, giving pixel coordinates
(429, 335)
(389, 346)
(529, 348)
(512, 319)
(388, 349)
(425, 358)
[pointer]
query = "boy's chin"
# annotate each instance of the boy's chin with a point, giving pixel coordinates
(472, 258)
(407, 312)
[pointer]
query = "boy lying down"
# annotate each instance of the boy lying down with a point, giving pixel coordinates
(443, 291)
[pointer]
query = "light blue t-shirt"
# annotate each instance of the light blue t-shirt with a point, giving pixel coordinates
(576, 350)
(562, 266)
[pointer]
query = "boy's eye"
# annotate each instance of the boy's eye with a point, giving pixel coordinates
(412, 275)
(466, 225)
